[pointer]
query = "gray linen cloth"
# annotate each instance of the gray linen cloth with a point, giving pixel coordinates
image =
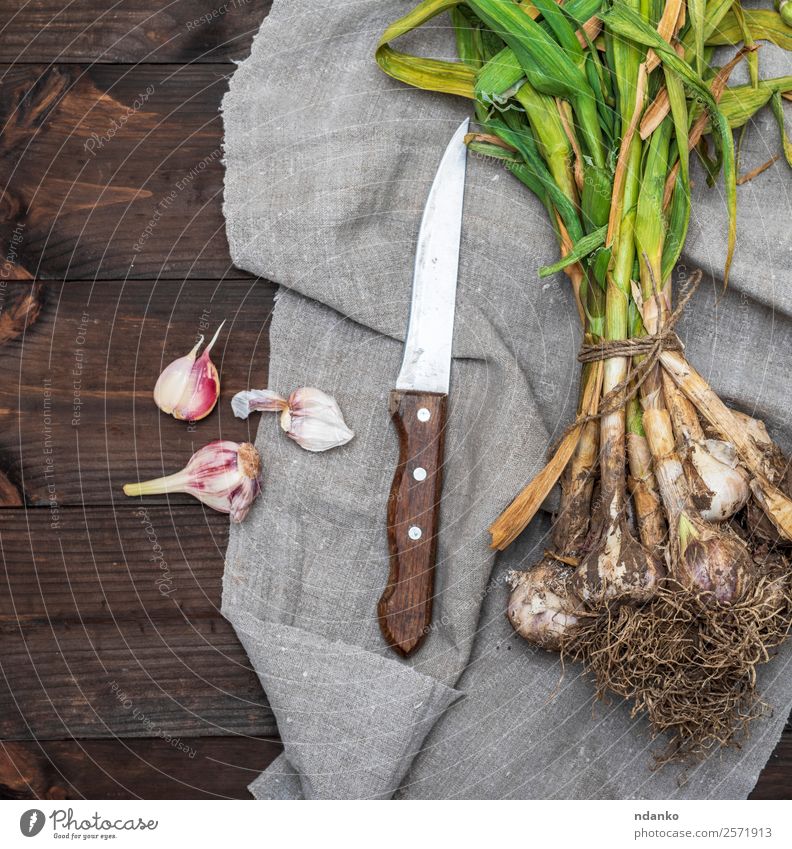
(328, 166)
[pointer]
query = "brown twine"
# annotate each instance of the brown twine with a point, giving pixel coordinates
(651, 347)
(666, 339)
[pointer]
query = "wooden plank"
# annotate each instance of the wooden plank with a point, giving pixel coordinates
(127, 678)
(221, 767)
(129, 30)
(132, 563)
(775, 781)
(186, 768)
(112, 172)
(77, 419)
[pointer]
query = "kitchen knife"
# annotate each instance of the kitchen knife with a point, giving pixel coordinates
(418, 409)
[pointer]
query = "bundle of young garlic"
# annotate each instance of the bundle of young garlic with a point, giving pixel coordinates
(669, 576)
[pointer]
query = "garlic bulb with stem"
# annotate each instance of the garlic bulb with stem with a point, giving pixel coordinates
(310, 417)
(224, 475)
(719, 485)
(725, 483)
(765, 480)
(188, 388)
(705, 558)
(617, 564)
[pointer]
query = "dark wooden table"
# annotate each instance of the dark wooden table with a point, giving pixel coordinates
(116, 684)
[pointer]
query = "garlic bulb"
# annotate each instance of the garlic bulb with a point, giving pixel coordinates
(713, 561)
(542, 607)
(618, 567)
(188, 388)
(224, 475)
(724, 484)
(312, 418)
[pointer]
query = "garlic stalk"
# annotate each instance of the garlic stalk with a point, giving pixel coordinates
(571, 524)
(617, 565)
(224, 475)
(188, 388)
(642, 483)
(310, 417)
(757, 521)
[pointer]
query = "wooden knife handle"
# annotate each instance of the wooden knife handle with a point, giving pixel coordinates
(405, 609)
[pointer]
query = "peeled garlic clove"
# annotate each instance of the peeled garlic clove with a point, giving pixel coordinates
(224, 475)
(542, 607)
(724, 488)
(188, 388)
(312, 418)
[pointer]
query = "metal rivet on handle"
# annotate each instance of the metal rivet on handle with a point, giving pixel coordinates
(424, 415)
(414, 532)
(420, 474)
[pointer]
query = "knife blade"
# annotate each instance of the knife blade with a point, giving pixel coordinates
(418, 409)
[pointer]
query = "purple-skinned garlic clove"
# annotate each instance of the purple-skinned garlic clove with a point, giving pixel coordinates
(224, 475)
(189, 387)
(310, 417)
